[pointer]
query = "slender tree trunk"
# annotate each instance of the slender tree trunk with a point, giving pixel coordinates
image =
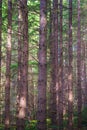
(70, 71)
(23, 99)
(42, 79)
(8, 64)
(25, 58)
(79, 69)
(20, 60)
(85, 74)
(74, 79)
(54, 61)
(0, 47)
(50, 45)
(84, 88)
(60, 76)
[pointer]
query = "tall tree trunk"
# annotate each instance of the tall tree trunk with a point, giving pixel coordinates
(79, 69)
(54, 60)
(20, 60)
(51, 113)
(83, 77)
(0, 47)
(70, 71)
(8, 64)
(60, 76)
(42, 79)
(24, 93)
(23, 98)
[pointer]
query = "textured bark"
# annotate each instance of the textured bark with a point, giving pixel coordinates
(0, 48)
(79, 96)
(54, 61)
(8, 63)
(20, 60)
(70, 71)
(50, 38)
(83, 75)
(25, 55)
(23, 98)
(75, 79)
(60, 71)
(42, 78)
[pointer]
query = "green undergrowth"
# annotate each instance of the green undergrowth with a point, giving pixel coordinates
(11, 128)
(32, 125)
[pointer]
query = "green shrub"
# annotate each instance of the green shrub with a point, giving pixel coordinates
(84, 117)
(1, 127)
(32, 125)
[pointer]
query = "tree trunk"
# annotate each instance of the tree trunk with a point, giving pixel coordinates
(20, 60)
(54, 61)
(0, 48)
(23, 98)
(79, 90)
(25, 55)
(42, 79)
(83, 77)
(8, 64)
(60, 71)
(70, 71)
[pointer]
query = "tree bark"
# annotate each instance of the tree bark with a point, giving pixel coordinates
(42, 78)
(8, 64)
(23, 98)
(0, 48)
(70, 71)
(79, 89)
(60, 70)
(83, 75)
(20, 60)
(54, 61)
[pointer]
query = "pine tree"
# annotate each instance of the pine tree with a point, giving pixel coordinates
(79, 89)
(20, 60)
(42, 77)
(60, 70)
(70, 70)
(54, 61)
(8, 64)
(0, 45)
(23, 97)
(83, 75)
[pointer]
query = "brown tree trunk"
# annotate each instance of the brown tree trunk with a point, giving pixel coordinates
(83, 78)
(8, 64)
(0, 48)
(42, 79)
(85, 75)
(79, 90)
(20, 60)
(25, 55)
(23, 98)
(51, 115)
(54, 61)
(70, 71)
(60, 71)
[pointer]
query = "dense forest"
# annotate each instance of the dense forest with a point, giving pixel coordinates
(43, 65)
